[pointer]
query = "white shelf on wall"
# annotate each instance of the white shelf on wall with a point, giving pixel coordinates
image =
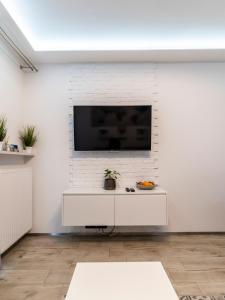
(16, 153)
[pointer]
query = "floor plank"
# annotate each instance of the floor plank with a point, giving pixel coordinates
(41, 267)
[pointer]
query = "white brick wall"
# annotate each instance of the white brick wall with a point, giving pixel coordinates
(113, 84)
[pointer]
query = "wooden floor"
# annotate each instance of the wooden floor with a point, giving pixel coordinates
(41, 267)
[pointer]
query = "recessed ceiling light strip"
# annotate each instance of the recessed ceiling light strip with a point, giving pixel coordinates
(24, 58)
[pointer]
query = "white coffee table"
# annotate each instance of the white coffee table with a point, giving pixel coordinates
(120, 281)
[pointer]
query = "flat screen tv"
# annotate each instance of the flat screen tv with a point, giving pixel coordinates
(102, 128)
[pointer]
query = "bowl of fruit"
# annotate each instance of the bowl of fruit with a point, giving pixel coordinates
(146, 185)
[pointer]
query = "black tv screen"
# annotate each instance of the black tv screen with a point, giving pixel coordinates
(112, 128)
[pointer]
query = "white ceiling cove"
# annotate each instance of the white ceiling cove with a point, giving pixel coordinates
(105, 30)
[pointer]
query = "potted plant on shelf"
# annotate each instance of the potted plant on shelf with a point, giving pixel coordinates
(3, 131)
(110, 179)
(28, 138)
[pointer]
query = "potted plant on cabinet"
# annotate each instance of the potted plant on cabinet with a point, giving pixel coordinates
(3, 131)
(28, 138)
(110, 179)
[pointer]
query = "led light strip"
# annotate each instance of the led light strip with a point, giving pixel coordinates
(184, 43)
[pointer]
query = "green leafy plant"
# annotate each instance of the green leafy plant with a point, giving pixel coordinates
(3, 129)
(27, 136)
(111, 174)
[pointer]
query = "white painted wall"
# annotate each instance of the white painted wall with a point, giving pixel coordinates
(46, 107)
(192, 143)
(11, 94)
(192, 130)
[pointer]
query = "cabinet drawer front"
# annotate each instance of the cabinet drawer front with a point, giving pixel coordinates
(140, 210)
(82, 210)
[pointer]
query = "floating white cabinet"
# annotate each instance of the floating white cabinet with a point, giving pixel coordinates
(81, 210)
(140, 210)
(119, 208)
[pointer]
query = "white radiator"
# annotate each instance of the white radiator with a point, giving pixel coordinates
(15, 205)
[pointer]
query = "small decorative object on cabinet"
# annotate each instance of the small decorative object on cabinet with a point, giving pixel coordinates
(110, 179)
(3, 131)
(146, 185)
(28, 138)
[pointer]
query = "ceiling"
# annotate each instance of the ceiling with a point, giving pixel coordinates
(119, 30)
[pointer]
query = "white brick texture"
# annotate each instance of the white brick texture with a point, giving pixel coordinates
(113, 84)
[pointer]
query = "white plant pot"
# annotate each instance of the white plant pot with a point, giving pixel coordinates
(1, 146)
(29, 150)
